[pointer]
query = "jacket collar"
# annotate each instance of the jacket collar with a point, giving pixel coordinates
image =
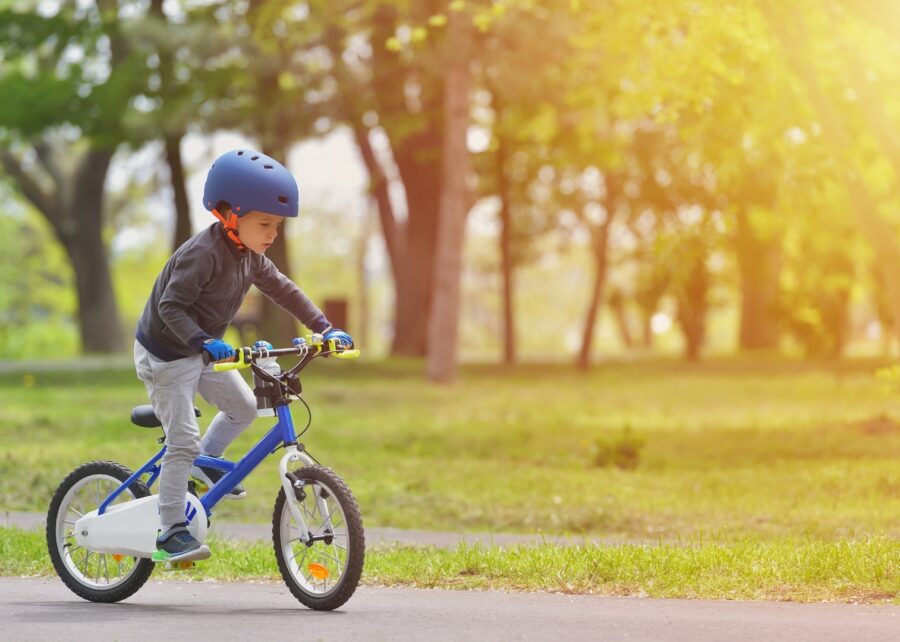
(237, 253)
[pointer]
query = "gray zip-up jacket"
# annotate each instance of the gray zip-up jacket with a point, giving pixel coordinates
(200, 289)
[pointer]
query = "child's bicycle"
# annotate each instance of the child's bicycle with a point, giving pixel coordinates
(103, 521)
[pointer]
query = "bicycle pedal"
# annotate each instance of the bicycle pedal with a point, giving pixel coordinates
(179, 566)
(199, 486)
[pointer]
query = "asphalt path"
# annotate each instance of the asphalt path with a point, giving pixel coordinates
(44, 609)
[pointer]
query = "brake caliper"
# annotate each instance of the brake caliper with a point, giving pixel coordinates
(297, 484)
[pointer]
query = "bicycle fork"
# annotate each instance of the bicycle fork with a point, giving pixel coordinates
(293, 486)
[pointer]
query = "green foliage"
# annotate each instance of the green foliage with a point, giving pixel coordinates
(37, 302)
(686, 106)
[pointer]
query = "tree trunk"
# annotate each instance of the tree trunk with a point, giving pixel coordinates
(617, 306)
(422, 181)
(176, 173)
(98, 313)
(98, 316)
(418, 158)
(277, 326)
(600, 238)
(692, 303)
(506, 261)
(172, 142)
(647, 330)
(361, 334)
(378, 185)
(443, 325)
(759, 263)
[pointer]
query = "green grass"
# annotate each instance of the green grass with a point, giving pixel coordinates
(733, 448)
(783, 569)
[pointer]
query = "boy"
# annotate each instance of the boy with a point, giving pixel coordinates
(194, 299)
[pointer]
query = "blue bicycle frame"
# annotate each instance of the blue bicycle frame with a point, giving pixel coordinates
(281, 434)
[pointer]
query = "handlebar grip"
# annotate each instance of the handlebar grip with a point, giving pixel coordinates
(232, 363)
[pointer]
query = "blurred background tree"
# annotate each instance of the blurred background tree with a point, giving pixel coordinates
(702, 167)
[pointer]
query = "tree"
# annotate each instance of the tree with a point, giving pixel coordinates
(795, 41)
(67, 189)
(443, 326)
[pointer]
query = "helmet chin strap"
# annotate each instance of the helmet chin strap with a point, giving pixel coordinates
(230, 226)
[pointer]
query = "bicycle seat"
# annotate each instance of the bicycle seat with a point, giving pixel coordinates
(145, 417)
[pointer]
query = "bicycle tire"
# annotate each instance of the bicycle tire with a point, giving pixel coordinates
(349, 579)
(143, 567)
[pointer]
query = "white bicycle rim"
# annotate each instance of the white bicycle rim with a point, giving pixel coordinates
(90, 568)
(317, 569)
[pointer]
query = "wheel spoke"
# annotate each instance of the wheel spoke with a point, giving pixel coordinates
(307, 516)
(316, 500)
(320, 551)
(305, 563)
(336, 556)
(85, 561)
(69, 550)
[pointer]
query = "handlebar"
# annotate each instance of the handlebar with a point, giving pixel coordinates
(309, 347)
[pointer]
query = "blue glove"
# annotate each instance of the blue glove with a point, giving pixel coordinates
(218, 349)
(341, 338)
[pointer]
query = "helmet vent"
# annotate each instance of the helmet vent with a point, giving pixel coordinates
(268, 167)
(254, 157)
(283, 200)
(240, 153)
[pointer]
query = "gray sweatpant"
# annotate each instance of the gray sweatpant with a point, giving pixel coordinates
(172, 386)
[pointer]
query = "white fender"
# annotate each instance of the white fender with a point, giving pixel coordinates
(131, 528)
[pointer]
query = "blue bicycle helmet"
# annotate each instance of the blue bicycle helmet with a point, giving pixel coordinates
(248, 180)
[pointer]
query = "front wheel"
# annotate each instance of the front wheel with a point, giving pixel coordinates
(98, 577)
(324, 572)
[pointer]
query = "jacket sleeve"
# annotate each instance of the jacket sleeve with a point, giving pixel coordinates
(191, 271)
(281, 290)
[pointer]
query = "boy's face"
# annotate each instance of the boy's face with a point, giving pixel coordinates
(258, 230)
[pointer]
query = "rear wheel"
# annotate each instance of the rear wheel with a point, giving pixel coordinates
(98, 577)
(324, 572)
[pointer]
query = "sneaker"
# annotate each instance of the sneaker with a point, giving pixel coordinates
(205, 478)
(176, 544)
